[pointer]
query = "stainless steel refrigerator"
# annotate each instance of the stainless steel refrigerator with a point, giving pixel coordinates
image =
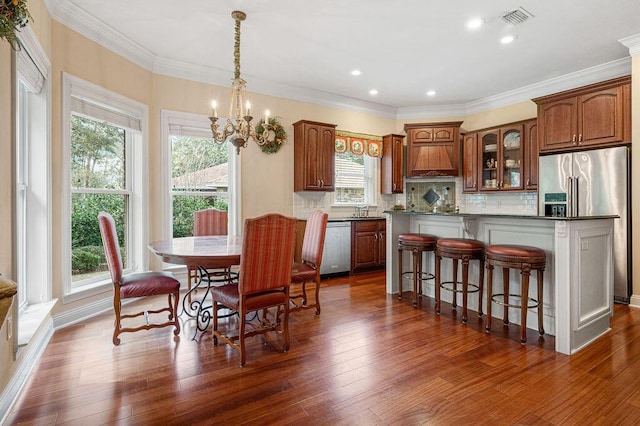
(592, 183)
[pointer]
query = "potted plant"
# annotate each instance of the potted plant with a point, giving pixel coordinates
(13, 16)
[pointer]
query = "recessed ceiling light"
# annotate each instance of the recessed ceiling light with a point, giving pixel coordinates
(474, 23)
(356, 72)
(508, 39)
(373, 92)
(431, 93)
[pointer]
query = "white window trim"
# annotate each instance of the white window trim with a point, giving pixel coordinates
(43, 247)
(77, 87)
(195, 121)
(374, 185)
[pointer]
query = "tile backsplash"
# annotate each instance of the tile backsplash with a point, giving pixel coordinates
(431, 196)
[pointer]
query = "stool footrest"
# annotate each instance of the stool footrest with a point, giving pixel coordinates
(494, 299)
(448, 285)
(408, 275)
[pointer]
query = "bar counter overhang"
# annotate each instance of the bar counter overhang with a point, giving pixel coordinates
(578, 280)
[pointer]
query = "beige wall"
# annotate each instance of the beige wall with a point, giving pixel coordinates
(635, 178)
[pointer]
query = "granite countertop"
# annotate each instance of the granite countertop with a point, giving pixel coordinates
(353, 219)
(506, 216)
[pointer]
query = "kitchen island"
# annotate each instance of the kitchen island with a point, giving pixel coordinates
(578, 280)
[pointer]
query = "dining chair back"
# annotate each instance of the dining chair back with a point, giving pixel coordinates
(208, 222)
(308, 270)
(132, 285)
(268, 246)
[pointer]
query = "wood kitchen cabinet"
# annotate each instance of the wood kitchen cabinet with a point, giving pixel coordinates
(368, 247)
(314, 156)
(470, 162)
(587, 117)
(530, 170)
(503, 158)
(433, 149)
(392, 165)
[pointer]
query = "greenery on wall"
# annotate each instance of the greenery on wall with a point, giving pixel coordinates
(13, 16)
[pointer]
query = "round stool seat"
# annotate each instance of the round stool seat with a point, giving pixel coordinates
(525, 259)
(417, 240)
(460, 246)
(417, 244)
(510, 253)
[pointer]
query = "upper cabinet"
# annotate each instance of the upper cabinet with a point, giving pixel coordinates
(591, 116)
(501, 159)
(433, 149)
(314, 156)
(392, 165)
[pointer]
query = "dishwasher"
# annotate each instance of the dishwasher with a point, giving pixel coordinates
(336, 257)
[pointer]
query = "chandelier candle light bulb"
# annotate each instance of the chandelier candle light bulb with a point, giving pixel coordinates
(213, 108)
(238, 128)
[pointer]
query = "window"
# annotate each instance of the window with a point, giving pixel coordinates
(355, 182)
(32, 243)
(105, 170)
(200, 172)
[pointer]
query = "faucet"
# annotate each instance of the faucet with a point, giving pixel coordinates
(362, 211)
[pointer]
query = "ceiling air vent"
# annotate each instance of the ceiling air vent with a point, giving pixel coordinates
(517, 16)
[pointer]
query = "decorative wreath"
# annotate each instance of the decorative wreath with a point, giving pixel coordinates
(276, 135)
(13, 16)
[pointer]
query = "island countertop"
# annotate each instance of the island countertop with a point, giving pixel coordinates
(507, 215)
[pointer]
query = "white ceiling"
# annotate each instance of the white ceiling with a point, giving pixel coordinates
(303, 49)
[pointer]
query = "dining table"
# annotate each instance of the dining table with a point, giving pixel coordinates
(203, 253)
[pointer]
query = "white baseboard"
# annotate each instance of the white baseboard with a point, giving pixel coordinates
(635, 301)
(26, 361)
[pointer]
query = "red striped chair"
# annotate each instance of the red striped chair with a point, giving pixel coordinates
(207, 222)
(268, 246)
(308, 270)
(140, 284)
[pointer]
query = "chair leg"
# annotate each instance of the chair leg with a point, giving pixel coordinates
(318, 294)
(505, 286)
(540, 299)
(438, 260)
(400, 274)
(117, 307)
(481, 288)
(285, 322)
(465, 285)
(489, 295)
(454, 300)
(416, 256)
(524, 299)
(214, 327)
(174, 312)
(241, 331)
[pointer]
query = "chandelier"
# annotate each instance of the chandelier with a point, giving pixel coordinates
(238, 129)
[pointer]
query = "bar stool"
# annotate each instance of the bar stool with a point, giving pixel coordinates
(525, 259)
(417, 244)
(465, 250)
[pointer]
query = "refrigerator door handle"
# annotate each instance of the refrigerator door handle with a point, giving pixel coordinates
(572, 196)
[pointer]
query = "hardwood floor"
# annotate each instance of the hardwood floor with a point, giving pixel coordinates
(368, 359)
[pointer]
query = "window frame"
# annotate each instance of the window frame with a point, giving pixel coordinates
(136, 174)
(371, 174)
(200, 125)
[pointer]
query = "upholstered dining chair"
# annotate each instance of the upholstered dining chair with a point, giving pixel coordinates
(308, 270)
(268, 245)
(139, 284)
(206, 222)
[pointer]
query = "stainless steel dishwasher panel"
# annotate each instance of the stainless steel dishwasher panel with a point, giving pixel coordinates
(336, 256)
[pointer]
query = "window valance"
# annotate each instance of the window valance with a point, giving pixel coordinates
(358, 143)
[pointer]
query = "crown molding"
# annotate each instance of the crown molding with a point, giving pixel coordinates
(77, 19)
(633, 43)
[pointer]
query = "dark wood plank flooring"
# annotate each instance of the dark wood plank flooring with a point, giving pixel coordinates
(368, 359)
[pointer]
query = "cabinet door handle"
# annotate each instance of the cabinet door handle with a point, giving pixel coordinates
(381, 236)
(573, 139)
(394, 186)
(321, 183)
(318, 183)
(528, 183)
(580, 139)
(375, 236)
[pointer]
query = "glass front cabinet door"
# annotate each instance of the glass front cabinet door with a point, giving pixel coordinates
(502, 158)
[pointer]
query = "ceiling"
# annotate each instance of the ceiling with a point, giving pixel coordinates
(305, 50)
